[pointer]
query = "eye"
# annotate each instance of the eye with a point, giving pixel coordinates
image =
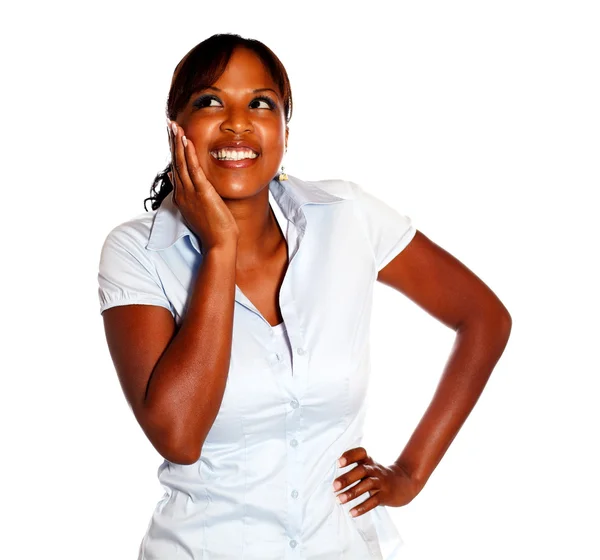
(206, 101)
(264, 99)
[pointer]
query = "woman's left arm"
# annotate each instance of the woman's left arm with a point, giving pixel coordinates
(450, 292)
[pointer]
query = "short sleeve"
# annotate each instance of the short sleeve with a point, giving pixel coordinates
(388, 230)
(126, 274)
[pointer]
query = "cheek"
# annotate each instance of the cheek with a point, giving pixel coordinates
(199, 140)
(274, 131)
(200, 132)
(201, 143)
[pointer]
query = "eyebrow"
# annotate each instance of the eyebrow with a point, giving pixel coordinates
(253, 91)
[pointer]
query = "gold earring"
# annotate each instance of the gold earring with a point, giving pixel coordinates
(283, 175)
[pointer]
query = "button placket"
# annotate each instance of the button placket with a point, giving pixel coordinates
(294, 386)
(294, 504)
(298, 344)
(295, 464)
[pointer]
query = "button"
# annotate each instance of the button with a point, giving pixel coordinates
(294, 404)
(293, 544)
(294, 443)
(295, 494)
(300, 351)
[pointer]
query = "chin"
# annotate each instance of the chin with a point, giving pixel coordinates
(238, 184)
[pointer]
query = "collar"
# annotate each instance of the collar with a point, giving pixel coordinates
(169, 226)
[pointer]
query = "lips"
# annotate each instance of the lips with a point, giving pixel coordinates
(237, 146)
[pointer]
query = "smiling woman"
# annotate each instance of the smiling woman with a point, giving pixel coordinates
(212, 85)
(237, 316)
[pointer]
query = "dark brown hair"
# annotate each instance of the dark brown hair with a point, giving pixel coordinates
(202, 67)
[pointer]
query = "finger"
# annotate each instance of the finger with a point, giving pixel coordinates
(357, 473)
(180, 169)
(366, 506)
(171, 151)
(370, 483)
(172, 174)
(353, 456)
(197, 175)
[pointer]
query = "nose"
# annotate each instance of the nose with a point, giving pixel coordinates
(237, 121)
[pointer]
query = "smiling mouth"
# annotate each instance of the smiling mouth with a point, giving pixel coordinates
(233, 154)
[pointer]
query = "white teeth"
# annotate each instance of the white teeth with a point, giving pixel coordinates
(233, 155)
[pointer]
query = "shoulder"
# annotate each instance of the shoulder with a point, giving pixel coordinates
(341, 188)
(363, 200)
(133, 233)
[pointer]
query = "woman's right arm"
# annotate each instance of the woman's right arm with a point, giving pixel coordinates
(174, 380)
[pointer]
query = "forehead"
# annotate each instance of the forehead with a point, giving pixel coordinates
(245, 69)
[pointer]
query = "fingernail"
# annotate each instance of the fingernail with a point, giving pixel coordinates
(184, 140)
(342, 462)
(337, 485)
(174, 128)
(338, 499)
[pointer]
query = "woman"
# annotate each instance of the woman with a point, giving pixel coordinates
(237, 316)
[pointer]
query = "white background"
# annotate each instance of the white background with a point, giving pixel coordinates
(479, 120)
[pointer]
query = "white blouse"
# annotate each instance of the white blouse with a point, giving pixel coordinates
(294, 401)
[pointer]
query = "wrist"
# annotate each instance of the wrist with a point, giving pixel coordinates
(225, 250)
(404, 471)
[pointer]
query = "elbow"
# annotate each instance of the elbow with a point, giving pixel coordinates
(173, 444)
(179, 459)
(508, 324)
(497, 325)
(504, 321)
(184, 445)
(181, 454)
(494, 320)
(495, 316)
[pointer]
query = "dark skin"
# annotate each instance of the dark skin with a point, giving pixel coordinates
(240, 214)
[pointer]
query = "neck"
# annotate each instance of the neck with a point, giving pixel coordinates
(260, 235)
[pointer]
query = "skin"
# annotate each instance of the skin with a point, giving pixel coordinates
(240, 214)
